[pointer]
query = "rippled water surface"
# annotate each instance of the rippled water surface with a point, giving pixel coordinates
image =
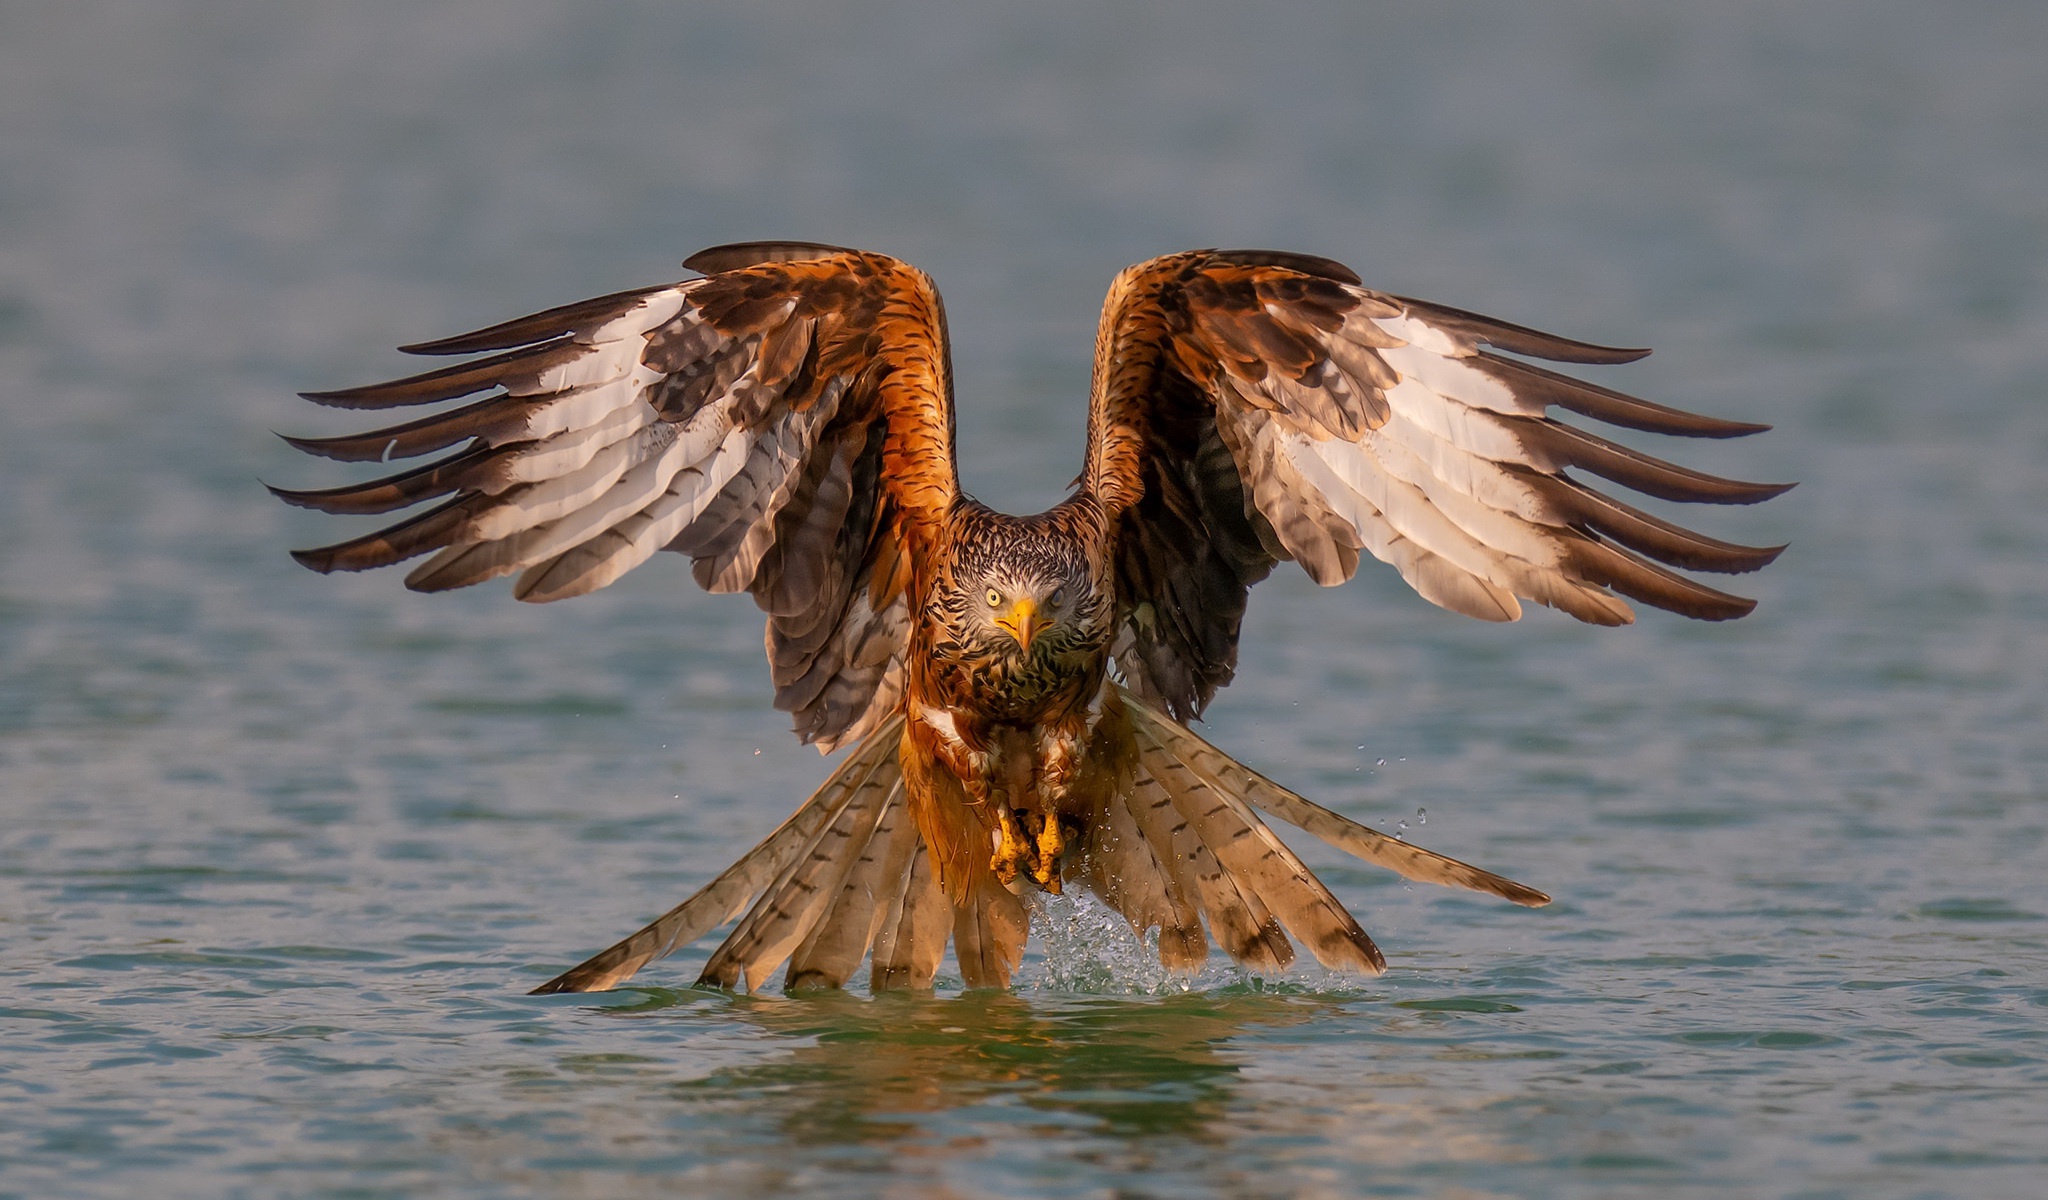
(279, 855)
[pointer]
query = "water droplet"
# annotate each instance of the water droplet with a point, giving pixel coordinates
(757, 752)
(1422, 816)
(1382, 763)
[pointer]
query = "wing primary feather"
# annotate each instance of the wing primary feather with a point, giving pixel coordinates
(448, 383)
(1603, 404)
(410, 538)
(540, 327)
(393, 491)
(1642, 532)
(1518, 339)
(1639, 579)
(1633, 469)
(424, 436)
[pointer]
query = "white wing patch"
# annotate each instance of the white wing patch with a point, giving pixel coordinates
(1454, 476)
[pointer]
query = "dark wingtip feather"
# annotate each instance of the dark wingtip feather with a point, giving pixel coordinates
(1606, 404)
(321, 559)
(1764, 491)
(452, 382)
(1638, 578)
(1633, 469)
(540, 327)
(343, 448)
(393, 491)
(414, 536)
(379, 395)
(1520, 339)
(293, 498)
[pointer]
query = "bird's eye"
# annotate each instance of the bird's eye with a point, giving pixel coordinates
(995, 598)
(1058, 597)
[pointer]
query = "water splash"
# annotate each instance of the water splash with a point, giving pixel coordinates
(1085, 947)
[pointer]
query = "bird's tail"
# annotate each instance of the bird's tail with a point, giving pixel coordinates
(1168, 837)
(845, 872)
(1179, 838)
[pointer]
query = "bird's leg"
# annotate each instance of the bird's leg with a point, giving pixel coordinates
(1011, 849)
(976, 771)
(1011, 771)
(1058, 767)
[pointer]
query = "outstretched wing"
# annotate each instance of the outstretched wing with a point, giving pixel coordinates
(786, 421)
(1252, 406)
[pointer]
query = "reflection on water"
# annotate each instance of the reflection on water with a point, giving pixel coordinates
(972, 1091)
(866, 1066)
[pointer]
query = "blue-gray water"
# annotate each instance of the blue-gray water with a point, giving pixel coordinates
(280, 854)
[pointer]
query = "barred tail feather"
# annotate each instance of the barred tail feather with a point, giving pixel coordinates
(728, 895)
(836, 945)
(990, 926)
(1118, 864)
(912, 938)
(1233, 778)
(798, 901)
(1237, 920)
(1258, 860)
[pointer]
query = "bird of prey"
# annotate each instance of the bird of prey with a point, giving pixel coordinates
(1016, 690)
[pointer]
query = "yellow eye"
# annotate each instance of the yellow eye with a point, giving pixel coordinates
(995, 598)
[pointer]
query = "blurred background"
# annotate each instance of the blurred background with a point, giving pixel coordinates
(279, 854)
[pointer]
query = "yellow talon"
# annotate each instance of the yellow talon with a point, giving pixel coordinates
(1051, 844)
(1011, 848)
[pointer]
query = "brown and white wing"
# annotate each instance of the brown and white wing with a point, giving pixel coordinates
(1251, 406)
(786, 421)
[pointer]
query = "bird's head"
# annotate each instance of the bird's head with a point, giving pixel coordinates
(1035, 596)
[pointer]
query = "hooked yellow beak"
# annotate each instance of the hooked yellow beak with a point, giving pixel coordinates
(1024, 623)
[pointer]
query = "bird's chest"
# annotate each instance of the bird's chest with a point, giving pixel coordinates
(1011, 689)
(994, 716)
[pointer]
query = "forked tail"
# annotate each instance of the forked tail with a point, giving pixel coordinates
(1168, 839)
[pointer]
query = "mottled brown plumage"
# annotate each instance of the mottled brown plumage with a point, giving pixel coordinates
(1017, 688)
